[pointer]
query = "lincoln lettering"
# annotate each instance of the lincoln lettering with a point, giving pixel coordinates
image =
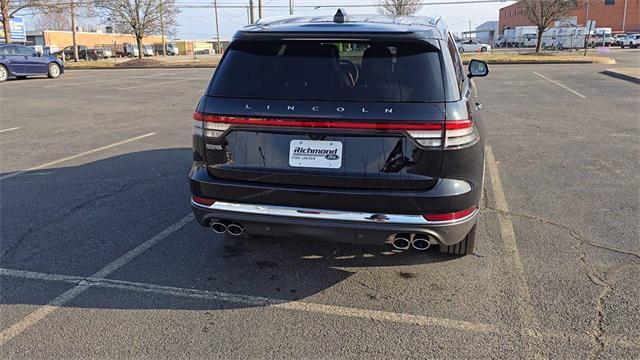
(316, 108)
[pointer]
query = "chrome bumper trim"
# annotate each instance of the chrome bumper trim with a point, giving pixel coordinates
(335, 215)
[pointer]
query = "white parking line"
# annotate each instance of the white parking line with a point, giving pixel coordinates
(42, 166)
(530, 324)
(155, 84)
(301, 306)
(561, 85)
(83, 285)
(10, 129)
(91, 82)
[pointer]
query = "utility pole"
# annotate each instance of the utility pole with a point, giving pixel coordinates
(6, 26)
(624, 15)
(259, 9)
(164, 46)
(290, 7)
(252, 18)
(587, 36)
(469, 29)
(72, 7)
(215, 7)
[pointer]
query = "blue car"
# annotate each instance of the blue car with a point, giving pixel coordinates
(20, 61)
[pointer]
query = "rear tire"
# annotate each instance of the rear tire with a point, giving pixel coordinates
(465, 247)
(54, 70)
(484, 49)
(4, 73)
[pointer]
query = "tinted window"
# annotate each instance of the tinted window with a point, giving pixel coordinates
(9, 50)
(23, 50)
(457, 63)
(341, 71)
(4, 50)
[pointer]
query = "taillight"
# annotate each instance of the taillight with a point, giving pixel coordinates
(460, 133)
(202, 126)
(457, 133)
(450, 216)
(203, 201)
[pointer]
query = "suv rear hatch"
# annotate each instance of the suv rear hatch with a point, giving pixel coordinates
(326, 113)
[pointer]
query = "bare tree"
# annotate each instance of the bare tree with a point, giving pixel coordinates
(52, 20)
(9, 8)
(543, 13)
(140, 17)
(398, 7)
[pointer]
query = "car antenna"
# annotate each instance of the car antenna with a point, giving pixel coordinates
(338, 18)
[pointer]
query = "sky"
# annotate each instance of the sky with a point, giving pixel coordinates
(200, 23)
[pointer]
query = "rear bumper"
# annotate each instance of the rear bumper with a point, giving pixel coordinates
(355, 216)
(331, 225)
(448, 195)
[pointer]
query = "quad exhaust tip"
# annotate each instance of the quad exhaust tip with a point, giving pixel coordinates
(419, 242)
(235, 229)
(226, 228)
(218, 227)
(401, 242)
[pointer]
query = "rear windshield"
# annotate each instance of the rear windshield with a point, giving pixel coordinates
(339, 71)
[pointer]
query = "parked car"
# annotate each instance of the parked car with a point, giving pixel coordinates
(356, 129)
(618, 38)
(20, 61)
(171, 48)
(473, 46)
(84, 53)
(130, 50)
(147, 50)
(631, 41)
(105, 52)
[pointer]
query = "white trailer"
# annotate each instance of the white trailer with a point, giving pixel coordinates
(564, 37)
(526, 36)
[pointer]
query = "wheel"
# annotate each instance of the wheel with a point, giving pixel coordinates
(54, 70)
(4, 73)
(484, 49)
(465, 247)
(621, 46)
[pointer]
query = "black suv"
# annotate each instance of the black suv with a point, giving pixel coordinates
(361, 129)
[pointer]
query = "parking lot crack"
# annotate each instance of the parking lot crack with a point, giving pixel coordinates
(573, 233)
(603, 278)
(36, 228)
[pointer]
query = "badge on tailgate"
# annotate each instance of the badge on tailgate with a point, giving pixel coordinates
(315, 154)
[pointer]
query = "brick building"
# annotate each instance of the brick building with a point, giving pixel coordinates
(60, 39)
(619, 15)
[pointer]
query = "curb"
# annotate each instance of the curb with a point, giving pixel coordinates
(533, 62)
(621, 76)
(140, 67)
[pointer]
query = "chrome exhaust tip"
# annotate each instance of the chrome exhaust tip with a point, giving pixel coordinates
(421, 243)
(218, 227)
(401, 243)
(235, 229)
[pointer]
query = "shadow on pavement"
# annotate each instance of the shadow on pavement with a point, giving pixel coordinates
(76, 220)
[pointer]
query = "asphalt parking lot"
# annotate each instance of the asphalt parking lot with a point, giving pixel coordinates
(100, 256)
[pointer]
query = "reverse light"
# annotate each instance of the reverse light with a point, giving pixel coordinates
(450, 216)
(460, 133)
(202, 127)
(202, 200)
